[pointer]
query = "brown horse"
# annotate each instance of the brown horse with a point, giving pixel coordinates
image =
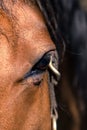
(67, 23)
(24, 91)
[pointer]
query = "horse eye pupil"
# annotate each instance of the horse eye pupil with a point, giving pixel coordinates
(40, 67)
(43, 63)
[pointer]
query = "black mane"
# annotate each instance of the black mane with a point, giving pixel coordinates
(67, 23)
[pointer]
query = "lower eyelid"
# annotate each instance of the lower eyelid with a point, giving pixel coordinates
(34, 73)
(33, 80)
(27, 75)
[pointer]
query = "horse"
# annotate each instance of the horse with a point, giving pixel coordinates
(50, 30)
(67, 23)
(27, 55)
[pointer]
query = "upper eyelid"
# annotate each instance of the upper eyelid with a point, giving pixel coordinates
(41, 56)
(31, 72)
(27, 68)
(28, 73)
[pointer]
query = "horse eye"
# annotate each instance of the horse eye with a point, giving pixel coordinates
(39, 67)
(43, 63)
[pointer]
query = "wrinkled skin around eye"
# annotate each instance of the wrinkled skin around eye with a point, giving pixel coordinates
(24, 39)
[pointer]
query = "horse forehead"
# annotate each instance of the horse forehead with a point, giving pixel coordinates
(27, 33)
(32, 32)
(31, 26)
(26, 14)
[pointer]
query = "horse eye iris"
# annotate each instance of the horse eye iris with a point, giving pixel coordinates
(39, 67)
(43, 63)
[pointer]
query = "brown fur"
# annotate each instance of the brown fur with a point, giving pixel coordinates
(24, 39)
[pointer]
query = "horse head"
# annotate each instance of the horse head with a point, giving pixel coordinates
(25, 52)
